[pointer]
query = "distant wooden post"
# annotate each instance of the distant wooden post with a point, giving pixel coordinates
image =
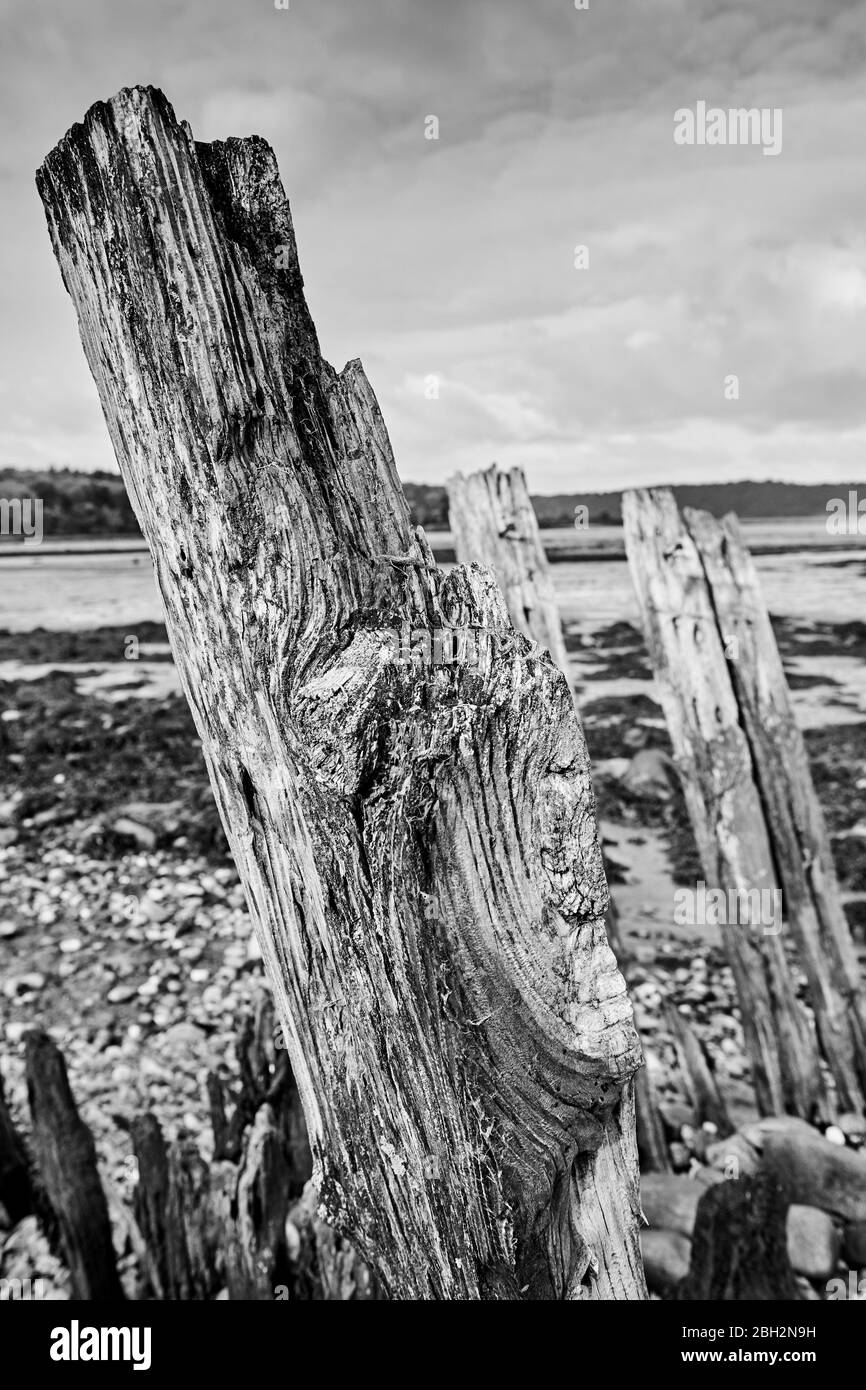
(493, 523)
(752, 805)
(795, 821)
(416, 838)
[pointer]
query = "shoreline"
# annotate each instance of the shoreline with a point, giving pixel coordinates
(441, 543)
(124, 928)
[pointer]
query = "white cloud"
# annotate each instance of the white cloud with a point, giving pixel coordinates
(456, 257)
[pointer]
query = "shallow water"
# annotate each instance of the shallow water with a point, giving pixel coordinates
(81, 590)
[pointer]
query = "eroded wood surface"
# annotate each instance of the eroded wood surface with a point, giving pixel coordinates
(417, 840)
(712, 751)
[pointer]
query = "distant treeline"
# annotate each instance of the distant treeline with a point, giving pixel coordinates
(73, 504)
(96, 504)
(430, 504)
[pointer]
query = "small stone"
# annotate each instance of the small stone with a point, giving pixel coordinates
(757, 1132)
(183, 1035)
(853, 1126)
(734, 1157)
(8, 928)
(813, 1242)
(854, 1244)
(27, 983)
(696, 994)
(669, 1203)
(154, 910)
(143, 837)
(835, 1134)
(121, 994)
(189, 890)
(666, 1259)
(69, 944)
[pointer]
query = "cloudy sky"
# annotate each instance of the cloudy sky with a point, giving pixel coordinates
(455, 258)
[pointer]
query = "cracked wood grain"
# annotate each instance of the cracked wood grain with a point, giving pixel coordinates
(688, 648)
(417, 840)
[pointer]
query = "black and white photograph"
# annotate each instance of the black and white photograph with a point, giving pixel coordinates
(432, 672)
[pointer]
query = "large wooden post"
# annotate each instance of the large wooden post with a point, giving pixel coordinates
(415, 835)
(701, 651)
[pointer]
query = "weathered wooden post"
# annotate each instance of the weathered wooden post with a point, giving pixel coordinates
(16, 1187)
(798, 833)
(65, 1159)
(493, 523)
(415, 836)
(753, 808)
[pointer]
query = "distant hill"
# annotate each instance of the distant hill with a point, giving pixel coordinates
(771, 499)
(96, 504)
(74, 504)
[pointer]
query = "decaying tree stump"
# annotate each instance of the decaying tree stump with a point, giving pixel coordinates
(739, 1245)
(16, 1189)
(416, 840)
(700, 1082)
(65, 1158)
(150, 1204)
(652, 1145)
(494, 524)
(715, 759)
